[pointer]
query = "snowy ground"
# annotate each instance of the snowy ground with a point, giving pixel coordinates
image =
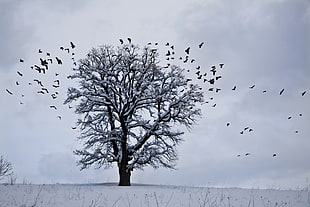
(147, 195)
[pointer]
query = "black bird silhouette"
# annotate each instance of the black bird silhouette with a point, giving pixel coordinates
(43, 62)
(19, 73)
(281, 91)
(45, 89)
(187, 50)
(9, 92)
(213, 70)
(72, 45)
(251, 87)
(57, 81)
(201, 44)
(73, 127)
(264, 91)
(129, 40)
(62, 48)
(241, 132)
(48, 54)
(221, 65)
(53, 107)
(289, 117)
(59, 117)
(250, 130)
(300, 114)
(198, 67)
(227, 124)
(54, 96)
(247, 154)
(167, 44)
(121, 41)
(192, 60)
(40, 51)
(218, 77)
(217, 90)
(58, 61)
(55, 86)
(214, 105)
(39, 69)
(234, 88)
(17, 83)
(21, 60)
(68, 50)
(211, 81)
(303, 93)
(274, 155)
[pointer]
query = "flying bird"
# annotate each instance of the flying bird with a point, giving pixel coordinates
(211, 81)
(274, 155)
(251, 87)
(9, 92)
(234, 88)
(289, 117)
(201, 44)
(221, 65)
(72, 45)
(21, 60)
(19, 73)
(57, 81)
(264, 91)
(121, 41)
(247, 154)
(281, 91)
(303, 93)
(59, 117)
(129, 40)
(227, 124)
(40, 51)
(53, 107)
(17, 83)
(187, 50)
(58, 61)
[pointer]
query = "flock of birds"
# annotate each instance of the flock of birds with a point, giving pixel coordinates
(207, 77)
(42, 68)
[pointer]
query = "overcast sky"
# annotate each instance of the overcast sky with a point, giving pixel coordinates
(261, 42)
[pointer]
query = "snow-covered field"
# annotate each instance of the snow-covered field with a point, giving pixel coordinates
(147, 195)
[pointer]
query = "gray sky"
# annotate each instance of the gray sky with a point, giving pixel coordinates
(261, 42)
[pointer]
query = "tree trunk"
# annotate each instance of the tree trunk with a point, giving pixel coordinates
(124, 176)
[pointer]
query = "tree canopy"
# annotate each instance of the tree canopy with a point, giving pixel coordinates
(131, 108)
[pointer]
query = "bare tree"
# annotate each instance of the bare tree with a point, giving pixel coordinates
(5, 168)
(131, 109)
